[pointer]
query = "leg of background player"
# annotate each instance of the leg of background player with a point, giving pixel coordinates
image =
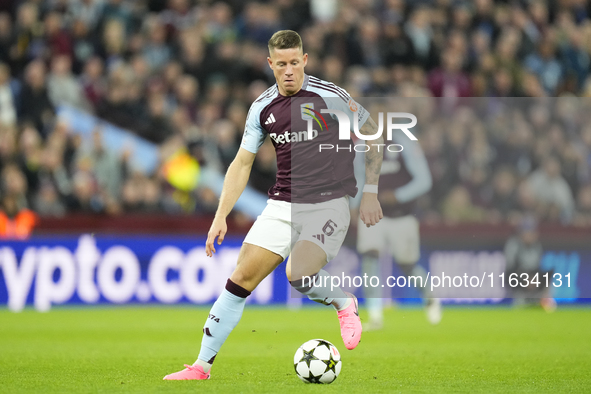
(432, 305)
(307, 260)
(373, 295)
(254, 264)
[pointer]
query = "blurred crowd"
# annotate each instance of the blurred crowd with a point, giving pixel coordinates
(183, 73)
(504, 159)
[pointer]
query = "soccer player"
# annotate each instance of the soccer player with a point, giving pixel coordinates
(307, 214)
(404, 177)
(523, 254)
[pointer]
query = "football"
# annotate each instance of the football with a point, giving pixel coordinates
(317, 361)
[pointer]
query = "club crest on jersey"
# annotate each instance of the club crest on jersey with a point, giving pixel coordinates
(309, 114)
(305, 110)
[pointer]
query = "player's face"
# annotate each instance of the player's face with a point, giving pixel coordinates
(288, 67)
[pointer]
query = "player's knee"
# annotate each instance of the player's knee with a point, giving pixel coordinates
(243, 279)
(372, 254)
(407, 269)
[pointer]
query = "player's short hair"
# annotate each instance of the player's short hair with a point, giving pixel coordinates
(285, 39)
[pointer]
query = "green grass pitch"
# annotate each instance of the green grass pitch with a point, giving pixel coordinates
(130, 349)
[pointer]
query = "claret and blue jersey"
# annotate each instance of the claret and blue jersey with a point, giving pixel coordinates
(406, 174)
(303, 173)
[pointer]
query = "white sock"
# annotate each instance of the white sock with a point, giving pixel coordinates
(203, 364)
(341, 303)
(316, 290)
(223, 317)
(375, 309)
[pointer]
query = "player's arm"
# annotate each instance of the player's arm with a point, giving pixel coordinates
(234, 184)
(511, 250)
(370, 210)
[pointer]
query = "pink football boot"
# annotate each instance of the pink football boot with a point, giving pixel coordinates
(191, 372)
(350, 324)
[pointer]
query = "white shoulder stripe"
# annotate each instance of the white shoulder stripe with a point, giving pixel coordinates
(267, 93)
(327, 91)
(329, 84)
(330, 87)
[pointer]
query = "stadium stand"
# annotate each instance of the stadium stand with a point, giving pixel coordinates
(180, 75)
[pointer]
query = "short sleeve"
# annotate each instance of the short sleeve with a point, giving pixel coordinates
(254, 135)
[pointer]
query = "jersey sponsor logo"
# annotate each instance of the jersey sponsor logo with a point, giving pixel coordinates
(287, 137)
(270, 119)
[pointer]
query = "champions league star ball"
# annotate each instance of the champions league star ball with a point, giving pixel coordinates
(317, 361)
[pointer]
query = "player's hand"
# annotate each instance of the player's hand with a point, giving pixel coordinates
(217, 230)
(370, 210)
